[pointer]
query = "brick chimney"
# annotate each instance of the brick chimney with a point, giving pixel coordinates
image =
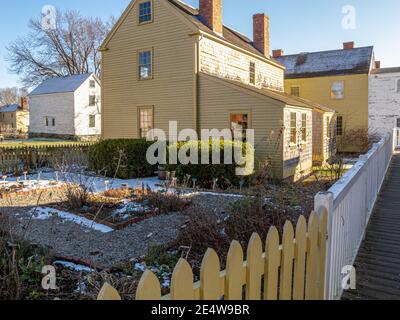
(261, 33)
(377, 64)
(24, 103)
(348, 45)
(211, 13)
(277, 53)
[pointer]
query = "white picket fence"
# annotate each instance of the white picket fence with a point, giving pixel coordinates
(350, 203)
(397, 138)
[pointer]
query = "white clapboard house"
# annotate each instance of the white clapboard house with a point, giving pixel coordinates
(66, 108)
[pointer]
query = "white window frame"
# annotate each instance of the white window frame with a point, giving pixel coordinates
(151, 12)
(150, 77)
(334, 95)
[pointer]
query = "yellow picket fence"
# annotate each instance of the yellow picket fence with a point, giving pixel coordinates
(293, 269)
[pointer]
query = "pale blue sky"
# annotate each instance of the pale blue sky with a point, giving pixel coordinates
(296, 25)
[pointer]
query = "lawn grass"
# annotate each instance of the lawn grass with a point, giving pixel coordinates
(38, 143)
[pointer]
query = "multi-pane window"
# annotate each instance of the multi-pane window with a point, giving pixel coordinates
(339, 126)
(145, 64)
(50, 121)
(240, 124)
(252, 73)
(293, 128)
(304, 127)
(398, 122)
(337, 90)
(145, 121)
(295, 91)
(92, 121)
(92, 84)
(92, 101)
(328, 128)
(145, 12)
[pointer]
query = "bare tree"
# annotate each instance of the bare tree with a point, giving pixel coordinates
(71, 47)
(11, 95)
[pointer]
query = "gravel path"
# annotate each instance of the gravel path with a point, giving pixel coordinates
(103, 250)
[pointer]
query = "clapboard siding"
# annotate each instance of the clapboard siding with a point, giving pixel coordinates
(218, 99)
(170, 92)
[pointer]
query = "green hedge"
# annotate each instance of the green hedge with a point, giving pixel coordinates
(205, 174)
(129, 153)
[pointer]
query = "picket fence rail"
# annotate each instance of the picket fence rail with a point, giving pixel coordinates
(350, 203)
(18, 159)
(293, 269)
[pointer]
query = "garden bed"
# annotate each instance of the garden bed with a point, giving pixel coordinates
(16, 189)
(119, 208)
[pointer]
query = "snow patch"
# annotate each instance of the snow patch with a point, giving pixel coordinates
(73, 266)
(44, 213)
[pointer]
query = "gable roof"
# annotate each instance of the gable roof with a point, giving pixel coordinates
(192, 15)
(10, 108)
(60, 85)
(275, 95)
(386, 70)
(328, 63)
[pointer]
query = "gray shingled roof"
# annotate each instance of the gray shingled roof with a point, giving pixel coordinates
(327, 63)
(229, 34)
(60, 85)
(9, 108)
(386, 70)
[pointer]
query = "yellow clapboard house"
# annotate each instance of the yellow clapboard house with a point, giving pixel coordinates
(337, 79)
(167, 61)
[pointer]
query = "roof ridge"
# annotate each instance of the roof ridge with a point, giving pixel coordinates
(324, 51)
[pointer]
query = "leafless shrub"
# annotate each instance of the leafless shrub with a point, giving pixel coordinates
(20, 264)
(254, 215)
(165, 202)
(203, 230)
(125, 285)
(357, 140)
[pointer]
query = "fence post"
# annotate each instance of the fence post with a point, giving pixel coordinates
(324, 201)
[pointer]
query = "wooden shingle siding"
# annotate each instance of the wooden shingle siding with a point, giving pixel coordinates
(297, 159)
(170, 92)
(222, 61)
(219, 99)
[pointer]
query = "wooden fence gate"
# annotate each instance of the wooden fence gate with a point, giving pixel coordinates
(291, 269)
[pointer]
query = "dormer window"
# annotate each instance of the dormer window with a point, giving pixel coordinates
(145, 12)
